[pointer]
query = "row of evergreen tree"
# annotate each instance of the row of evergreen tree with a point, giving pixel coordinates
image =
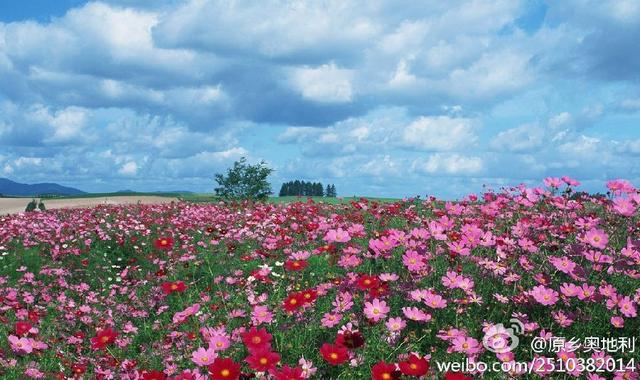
(309, 189)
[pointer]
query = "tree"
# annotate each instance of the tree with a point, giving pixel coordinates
(331, 191)
(244, 181)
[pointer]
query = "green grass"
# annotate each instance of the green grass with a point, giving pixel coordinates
(208, 198)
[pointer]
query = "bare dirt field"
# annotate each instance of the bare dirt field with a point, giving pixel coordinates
(15, 205)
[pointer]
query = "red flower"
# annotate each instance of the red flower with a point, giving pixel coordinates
(456, 376)
(263, 359)
(184, 376)
(334, 354)
(380, 290)
(256, 339)
(154, 375)
(367, 282)
(350, 339)
(164, 242)
(224, 369)
(103, 338)
(78, 369)
(34, 316)
(293, 302)
(414, 366)
(288, 373)
(23, 327)
(384, 371)
(170, 287)
(308, 295)
(295, 265)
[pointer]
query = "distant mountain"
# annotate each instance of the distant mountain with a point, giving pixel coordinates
(8, 187)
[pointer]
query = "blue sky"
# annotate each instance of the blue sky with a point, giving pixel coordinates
(383, 98)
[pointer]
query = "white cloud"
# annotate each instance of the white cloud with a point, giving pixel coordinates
(439, 133)
(130, 168)
(523, 138)
(327, 83)
(450, 164)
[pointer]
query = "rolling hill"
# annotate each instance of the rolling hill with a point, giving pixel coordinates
(11, 188)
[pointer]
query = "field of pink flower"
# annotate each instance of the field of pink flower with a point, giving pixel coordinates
(311, 290)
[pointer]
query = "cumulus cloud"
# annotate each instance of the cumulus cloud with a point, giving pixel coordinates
(326, 83)
(449, 164)
(439, 133)
(526, 137)
(120, 92)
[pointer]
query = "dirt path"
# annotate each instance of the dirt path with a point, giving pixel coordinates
(15, 205)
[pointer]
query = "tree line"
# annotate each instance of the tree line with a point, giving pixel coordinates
(309, 189)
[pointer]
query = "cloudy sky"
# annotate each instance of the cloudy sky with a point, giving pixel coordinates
(382, 98)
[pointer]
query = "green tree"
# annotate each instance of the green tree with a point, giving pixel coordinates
(244, 181)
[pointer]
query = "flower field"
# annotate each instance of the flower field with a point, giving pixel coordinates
(325, 291)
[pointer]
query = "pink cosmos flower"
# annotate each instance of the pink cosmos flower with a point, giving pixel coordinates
(329, 320)
(203, 356)
(20, 345)
(219, 342)
(434, 301)
(413, 261)
(627, 307)
(416, 314)
(453, 280)
(544, 295)
(597, 238)
(563, 264)
(261, 314)
(376, 310)
(617, 321)
(618, 186)
(586, 292)
(624, 206)
(466, 345)
(395, 324)
(337, 236)
(552, 182)
(308, 370)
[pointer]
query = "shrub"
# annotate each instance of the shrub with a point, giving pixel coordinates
(244, 181)
(31, 206)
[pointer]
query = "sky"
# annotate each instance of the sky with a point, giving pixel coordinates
(381, 98)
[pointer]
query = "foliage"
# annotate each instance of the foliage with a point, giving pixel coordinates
(331, 191)
(244, 181)
(301, 188)
(31, 206)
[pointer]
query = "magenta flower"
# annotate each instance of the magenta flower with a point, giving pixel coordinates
(597, 238)
(624, 206)
(416, 314)
(329, 320)
(564, 264)
(20, 346)
(203, 356)
(337, 236)
(466, 345)
(413, 261)
(219, 342)
(376, 310)
(627, 307)
(434, 301)
(544, 295)
(261, 314)
(395, 324)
